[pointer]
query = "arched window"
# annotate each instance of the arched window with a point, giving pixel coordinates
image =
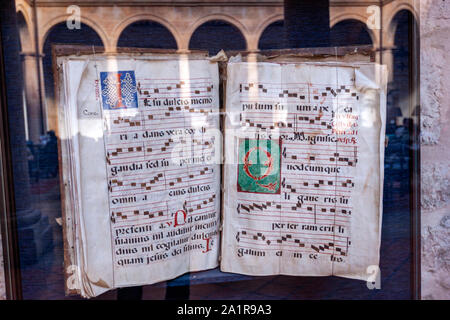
(147, 34)
(216, 35)
(350, 33)
(25, 38)
(402, 151)
(400, 89)
(60, 34)
(273, 36)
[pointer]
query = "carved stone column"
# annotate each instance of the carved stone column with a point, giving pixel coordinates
(33, 98)
(388, 60)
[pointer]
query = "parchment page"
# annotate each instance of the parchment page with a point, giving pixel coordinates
(303, 169)
(149, 177)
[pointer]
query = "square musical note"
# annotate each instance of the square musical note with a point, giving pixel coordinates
(118, 90)
(259, 166)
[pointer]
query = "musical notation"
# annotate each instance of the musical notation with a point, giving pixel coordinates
(293, 122)
(140, 144)
(160, 210)
(128, 121)
(186, 178)
(317, 243)
(152, 149)
(201, 204)
(319, 153)
(159, 181)
(301, 91)
(289, 209)
(257, 206)
(182, 87)
(147, 213)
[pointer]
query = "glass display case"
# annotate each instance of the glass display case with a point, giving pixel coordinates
(31, 188)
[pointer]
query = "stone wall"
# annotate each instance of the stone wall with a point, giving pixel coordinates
(435, 148)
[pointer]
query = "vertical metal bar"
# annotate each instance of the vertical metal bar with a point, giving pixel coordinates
(8, 227)
(415, 173)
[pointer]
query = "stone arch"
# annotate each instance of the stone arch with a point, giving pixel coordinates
(351, 32)
(231, 39)
(118, 29)
(347, 16)
(60, 34)
(23, 9)
(264, 29)
(26, 39)
(402, 89)
(222, 18)
(46, 29)
(360, 18)
(391, 28)
(146, 34)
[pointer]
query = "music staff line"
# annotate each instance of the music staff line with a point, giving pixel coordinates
(125, 123)
(161, 156)
(163, 187)
(279, 86)
(188, 122)
(336, 182)
(146, 157)
(310, 158)
(173, 84)
(315, 219)
(191, 197)
(158, 209)
(300, 186)
(158, 182)
(117, 117)
(281, 237)
(318, 245)
(303, 233)
(300, 95)
(295, 124)
(282, 218)
(313, 216)
(279, 204)
(201, 114)
(337, 148)
(302, 92)
(149, 155)
(293, 190)
(283, 207)
(153, 171)
(148, 147)
(151, 217)
(149, 142)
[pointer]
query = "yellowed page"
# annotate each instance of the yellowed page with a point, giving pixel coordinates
(144, 142)
(304, 150)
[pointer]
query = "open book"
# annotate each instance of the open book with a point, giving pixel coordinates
(159, 180)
